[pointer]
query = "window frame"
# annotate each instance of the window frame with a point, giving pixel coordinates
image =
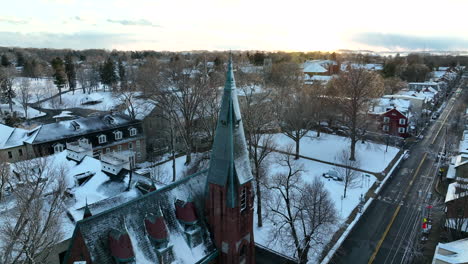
(386, 119)
(102, 141)
(400, 130)
(402, 121)
(118, 135)
(133, 131)
(58, 148)
(386, 128)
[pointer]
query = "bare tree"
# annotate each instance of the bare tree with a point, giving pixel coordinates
(301, 212)
(179, 88)
(318, 103)
(346, 172)
(25, 95)
(33, 226)
(256, 112)
(82, 77)
(292, 101)
(4, 175)
(353, 91)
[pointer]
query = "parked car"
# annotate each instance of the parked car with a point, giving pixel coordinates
(327, 130)
(329, 174)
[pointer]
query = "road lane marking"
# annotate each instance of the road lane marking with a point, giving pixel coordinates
(437, 135)
(387, 229)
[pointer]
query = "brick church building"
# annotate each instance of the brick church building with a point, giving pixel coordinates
(203, 218)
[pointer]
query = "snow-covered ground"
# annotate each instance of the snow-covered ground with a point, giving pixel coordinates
(344, 207)
(371, 156)
(32, 113)
(41, 88)
(106, 101)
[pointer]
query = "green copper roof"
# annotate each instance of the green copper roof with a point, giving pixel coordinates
(229, 164)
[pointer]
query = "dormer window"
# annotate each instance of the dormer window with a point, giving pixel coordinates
(118, 135)
(243, 199)
(58, 148)
(102, 139)
(84, 140)
(133, 131)
(74, 125)
(109, 120)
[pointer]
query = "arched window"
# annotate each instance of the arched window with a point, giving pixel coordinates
(133, 131)
(102, 139)
(243, 199)
(58, 148)
(118, 135)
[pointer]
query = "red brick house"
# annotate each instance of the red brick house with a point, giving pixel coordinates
(395, 123)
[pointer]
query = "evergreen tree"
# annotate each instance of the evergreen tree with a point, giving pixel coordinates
(122, 76)
(5, 61)
(59, 75)
(108, 75)
(70, 71)
(19, 59)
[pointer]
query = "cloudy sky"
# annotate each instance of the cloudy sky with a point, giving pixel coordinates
(236, 24)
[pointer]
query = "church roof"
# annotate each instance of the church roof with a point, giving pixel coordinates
(132, 217)
(229, 164)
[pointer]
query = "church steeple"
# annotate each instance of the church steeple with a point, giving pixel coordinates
(229, 209)
(229, 165)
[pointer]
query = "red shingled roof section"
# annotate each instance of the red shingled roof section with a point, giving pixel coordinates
(121, 246)
(157, 229)
(186, 213)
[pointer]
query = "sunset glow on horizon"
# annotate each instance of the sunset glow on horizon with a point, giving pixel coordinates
(178, 25)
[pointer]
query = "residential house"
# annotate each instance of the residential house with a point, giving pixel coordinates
(392, 116)
(109, 132)
(321, 67)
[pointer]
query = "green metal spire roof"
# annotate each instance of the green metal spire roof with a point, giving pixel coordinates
(229, 164)
(87, 213)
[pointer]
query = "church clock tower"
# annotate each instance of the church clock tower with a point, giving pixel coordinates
(229, 201)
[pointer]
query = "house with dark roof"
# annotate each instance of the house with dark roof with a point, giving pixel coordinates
(106, 133)
(203, 218)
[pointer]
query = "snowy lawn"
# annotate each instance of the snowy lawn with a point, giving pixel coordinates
(32, 113)
(40, 88)
(372, 156)
(343, 207)
(106, 101)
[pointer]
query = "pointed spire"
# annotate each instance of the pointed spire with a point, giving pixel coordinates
(230, 84)
(87, 212)
(229, 164)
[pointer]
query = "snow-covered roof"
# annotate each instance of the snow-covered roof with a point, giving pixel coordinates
(427, 96)
(98, 191)
(463, 146)
(452, 252)
(11, 137)
(317, 66)
(367, 66)
(451, 172)
(64, 129)
(384, 104)
(131, 216)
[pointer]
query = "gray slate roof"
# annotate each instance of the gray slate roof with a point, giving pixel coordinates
(131, 215)
(230, 165)
(64, 129)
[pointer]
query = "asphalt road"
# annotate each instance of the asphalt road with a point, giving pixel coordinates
(391, 229)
